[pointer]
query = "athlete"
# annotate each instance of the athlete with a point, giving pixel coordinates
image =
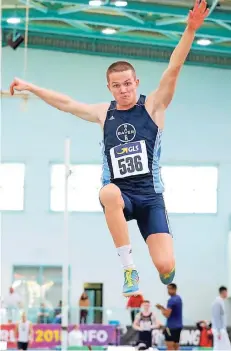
(24, 332)
(145, 322)
(132, 129)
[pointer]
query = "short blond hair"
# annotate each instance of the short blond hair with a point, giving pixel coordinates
(120, 66)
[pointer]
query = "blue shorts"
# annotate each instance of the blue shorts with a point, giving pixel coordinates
(148, 210)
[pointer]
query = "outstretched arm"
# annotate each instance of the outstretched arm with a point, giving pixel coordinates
(62, 102)
(162, 97)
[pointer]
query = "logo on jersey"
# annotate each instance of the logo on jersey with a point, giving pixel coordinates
(126, 132)
(133, 148)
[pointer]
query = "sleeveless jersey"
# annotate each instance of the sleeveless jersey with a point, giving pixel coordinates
(131, 150)
(146, 322)
(23, 331)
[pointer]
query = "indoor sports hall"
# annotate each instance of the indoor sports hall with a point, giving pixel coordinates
(62, 279)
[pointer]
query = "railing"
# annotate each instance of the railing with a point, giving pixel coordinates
(91, 315)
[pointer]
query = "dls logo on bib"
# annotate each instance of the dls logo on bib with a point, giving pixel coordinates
(126, 132)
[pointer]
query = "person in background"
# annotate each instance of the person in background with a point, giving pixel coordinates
(219, 320)
(12, 302)
(58, 313)
(3, 313)
(174, 316)
(23, 332)
(75, 337)
(84, 304)
(206, 335)
(43, 314)
(134, 304)
(145, 322)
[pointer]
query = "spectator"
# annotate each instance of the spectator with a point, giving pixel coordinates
(43, 314)
(206, 335)
(145, 322)
(83, 305)
(173, 313)
(75, 337)
(219, 327)
(3, 314)
(13, 302)
(58, 313)
(134, 304)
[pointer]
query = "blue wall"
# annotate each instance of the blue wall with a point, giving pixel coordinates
(198, 131)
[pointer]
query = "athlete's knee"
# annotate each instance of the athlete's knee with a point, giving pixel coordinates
(110, 196)
(165, 266)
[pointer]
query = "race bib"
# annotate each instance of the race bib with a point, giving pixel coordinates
(145, 325)
(129, 159)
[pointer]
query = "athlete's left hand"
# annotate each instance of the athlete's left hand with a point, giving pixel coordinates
(197, 15)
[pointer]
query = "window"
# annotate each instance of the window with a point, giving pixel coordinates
(36, 284)
(12, 186)
(190, 189)
(83, 188)
(187, 189)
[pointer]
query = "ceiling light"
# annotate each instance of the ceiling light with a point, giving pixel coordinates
(108, 31)
(13, 20)
(121, 3)
(204, 42)
(95, 2)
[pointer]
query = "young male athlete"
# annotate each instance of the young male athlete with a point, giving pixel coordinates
(145, 322)
(24, 332)
(132, 186)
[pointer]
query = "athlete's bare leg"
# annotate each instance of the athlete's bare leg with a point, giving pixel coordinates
(170, 345)
(176, 346)
(111, 199)
(162, 254)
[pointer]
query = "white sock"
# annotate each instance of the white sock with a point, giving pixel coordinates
(125, 253)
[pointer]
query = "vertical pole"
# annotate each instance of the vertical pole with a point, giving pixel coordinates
(65, 281)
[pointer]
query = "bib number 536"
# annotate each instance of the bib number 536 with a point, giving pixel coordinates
(130, 165)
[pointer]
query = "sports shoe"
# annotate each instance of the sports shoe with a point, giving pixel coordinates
(167, 278)
(131, 283)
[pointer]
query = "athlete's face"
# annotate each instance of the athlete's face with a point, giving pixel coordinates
(123, 86)
(146, 306)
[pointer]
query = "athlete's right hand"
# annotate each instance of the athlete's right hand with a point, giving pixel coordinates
(19, 85)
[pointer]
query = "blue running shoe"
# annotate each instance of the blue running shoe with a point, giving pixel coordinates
(167, 278)
(131, 283)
